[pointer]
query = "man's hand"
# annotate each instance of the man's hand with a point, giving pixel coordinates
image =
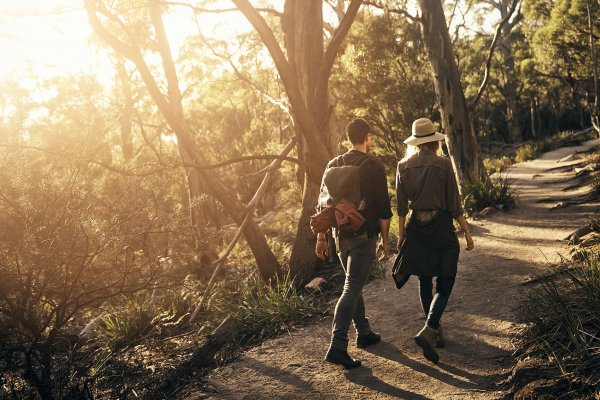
(470, 242)
(322, 248)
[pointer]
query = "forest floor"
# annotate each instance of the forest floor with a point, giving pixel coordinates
(511, 248)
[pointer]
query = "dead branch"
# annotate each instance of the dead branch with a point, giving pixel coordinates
(575, 237)
(201, 358)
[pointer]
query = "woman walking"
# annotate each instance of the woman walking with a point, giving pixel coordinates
(428, 246)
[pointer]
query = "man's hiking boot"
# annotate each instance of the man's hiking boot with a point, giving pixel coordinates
(363, 341)
(440, 343)
(425, 339)
(341, 357)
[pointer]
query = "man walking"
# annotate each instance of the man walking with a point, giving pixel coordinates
(357, 251)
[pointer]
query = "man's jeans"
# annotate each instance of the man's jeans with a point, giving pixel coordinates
(357, 254)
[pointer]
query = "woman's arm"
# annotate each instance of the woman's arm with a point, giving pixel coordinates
(401, 230)
(465, 227)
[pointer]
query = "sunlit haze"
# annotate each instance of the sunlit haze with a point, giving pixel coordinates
(43, 38)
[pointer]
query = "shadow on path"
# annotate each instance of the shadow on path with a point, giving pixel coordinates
(391, 352)
(279, 374)
(364, 376)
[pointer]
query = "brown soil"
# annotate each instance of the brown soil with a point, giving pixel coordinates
(511, 248)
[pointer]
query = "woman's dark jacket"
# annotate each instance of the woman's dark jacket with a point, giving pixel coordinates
(424, 183)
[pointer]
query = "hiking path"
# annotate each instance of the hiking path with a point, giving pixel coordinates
(511, 248)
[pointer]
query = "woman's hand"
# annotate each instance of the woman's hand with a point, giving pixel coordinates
(401, 237)
(470, 242)
(322, 248)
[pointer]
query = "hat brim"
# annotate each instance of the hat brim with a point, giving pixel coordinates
(416, 140)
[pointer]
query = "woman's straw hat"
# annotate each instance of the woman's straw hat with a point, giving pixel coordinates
(423, 131)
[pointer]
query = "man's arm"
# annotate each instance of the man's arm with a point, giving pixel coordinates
(382, 205)
(384, 226)
(322, 247)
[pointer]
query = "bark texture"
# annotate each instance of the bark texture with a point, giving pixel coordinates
(456, 121)
(305, 49)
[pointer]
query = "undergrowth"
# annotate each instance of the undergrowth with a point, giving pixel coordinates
(533, 149)
(263, 309)
(490, 192)
(495, 165)
(563, 333)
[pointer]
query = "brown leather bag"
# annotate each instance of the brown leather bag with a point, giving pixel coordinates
(343, 215)
(347, 217)
(323, 220)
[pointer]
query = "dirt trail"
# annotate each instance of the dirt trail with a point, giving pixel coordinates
(511, 248)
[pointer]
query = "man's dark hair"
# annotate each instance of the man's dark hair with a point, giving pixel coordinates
(357, 130)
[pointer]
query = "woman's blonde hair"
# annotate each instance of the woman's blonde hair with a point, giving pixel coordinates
(429, 147)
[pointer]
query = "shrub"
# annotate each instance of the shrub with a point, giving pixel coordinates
(564, 320)
(120, 328)
(528, 151)
(265, 309)
(495, 165)
(495, 192)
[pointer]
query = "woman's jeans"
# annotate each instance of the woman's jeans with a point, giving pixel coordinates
(357, 254)
(434, 306)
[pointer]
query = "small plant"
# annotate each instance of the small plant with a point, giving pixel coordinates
(494, 192)
(119, 329)
(528, 151)
(265, 309)
(495, 165)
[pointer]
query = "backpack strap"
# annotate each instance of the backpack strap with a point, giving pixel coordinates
(341, 157)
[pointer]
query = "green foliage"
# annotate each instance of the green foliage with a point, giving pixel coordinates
(384, 77)
(126, 325)
(491, 192)
(265, 309)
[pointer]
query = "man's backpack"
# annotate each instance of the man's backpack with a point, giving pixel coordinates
(340, 199)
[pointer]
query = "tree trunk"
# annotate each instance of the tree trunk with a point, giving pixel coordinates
(303, 34)
(305, 73)
(535, 123)
(456, 121)
(515, 130)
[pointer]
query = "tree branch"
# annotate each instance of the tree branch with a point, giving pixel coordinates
(334, 47)
(399, 11)
(219, 10)
(488, 61)
(130, 52)
(249, 210)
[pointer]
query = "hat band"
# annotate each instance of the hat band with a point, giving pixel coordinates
(429, 134)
